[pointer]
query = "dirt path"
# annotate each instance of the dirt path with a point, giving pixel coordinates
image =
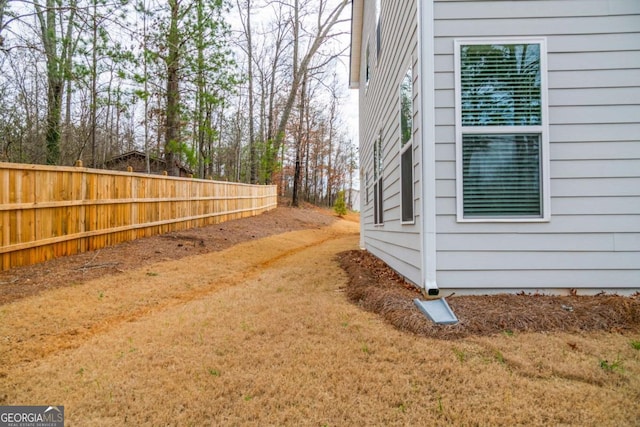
(261, 333)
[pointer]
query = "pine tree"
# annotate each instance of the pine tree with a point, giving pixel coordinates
(340, 207)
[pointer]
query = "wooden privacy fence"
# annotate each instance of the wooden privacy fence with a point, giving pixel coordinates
(47, 212)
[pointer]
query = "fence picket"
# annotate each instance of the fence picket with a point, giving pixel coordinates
(49, 211)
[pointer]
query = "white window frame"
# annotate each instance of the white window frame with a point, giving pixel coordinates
(407, 145)
(542, 129)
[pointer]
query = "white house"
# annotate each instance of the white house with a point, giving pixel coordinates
(500, 142)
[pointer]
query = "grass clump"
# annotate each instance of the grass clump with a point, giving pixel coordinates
(365, 349)
(461, 355)
(616, 365)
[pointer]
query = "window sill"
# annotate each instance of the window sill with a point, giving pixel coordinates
(505, 220)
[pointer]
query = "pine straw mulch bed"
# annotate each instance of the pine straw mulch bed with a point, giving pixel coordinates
(377, 288)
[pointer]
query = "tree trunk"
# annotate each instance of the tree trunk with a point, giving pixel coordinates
(54, 107)
(94, 86)
(57, 64)
(3, 6)
(299, 138)
(200, 124)
(147, 159)
(172, 131)
(330, 164)
(253, 161)
(54, 80)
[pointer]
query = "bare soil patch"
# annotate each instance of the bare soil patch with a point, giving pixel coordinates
(31, 280)
(377, 288)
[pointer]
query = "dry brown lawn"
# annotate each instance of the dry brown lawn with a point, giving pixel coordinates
(263, 333)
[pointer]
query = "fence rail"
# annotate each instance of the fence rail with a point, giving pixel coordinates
(48, 211)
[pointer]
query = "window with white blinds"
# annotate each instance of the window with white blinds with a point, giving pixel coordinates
(501, 130)
(501, 175)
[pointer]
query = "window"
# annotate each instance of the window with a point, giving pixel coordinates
(501, 130)
(377, 181)
(378, 30)
(367, 69)
(366, 187)
(406, 147)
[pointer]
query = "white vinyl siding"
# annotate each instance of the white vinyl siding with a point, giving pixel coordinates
(592, 238)
(395, 242)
